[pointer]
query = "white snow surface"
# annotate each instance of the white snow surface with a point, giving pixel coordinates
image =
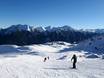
(94, 45)
(28, 62)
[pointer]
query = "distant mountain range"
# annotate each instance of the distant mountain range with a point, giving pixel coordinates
(20, 27)
(25, 34)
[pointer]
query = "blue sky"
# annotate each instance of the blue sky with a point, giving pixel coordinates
(75, 13)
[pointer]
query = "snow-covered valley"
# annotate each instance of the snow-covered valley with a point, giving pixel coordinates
(27, 62)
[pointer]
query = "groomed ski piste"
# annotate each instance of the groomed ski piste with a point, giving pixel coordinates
(27, 62)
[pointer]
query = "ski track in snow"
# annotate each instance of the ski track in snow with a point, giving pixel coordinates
(19, 67)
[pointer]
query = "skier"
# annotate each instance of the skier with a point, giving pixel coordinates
(74, 58)
(46, 58)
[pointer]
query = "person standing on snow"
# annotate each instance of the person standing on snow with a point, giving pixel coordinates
(74, 58)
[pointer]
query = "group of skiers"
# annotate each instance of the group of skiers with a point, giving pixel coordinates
(73, 59)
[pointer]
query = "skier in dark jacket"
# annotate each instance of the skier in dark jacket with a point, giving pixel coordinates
(74, 58)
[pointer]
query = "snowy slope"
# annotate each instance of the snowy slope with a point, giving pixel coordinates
(30, 63)
(94, 45)
(33, 67)
(8, 49)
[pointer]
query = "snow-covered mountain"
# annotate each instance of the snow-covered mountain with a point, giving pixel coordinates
(63, 28)
(18, 27)
(48, 28)
(21, 27)
(93, 45)
(93, 30)
(40, 29)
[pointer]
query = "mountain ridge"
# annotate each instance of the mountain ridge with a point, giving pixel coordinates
(25, 34)
(29, 28)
